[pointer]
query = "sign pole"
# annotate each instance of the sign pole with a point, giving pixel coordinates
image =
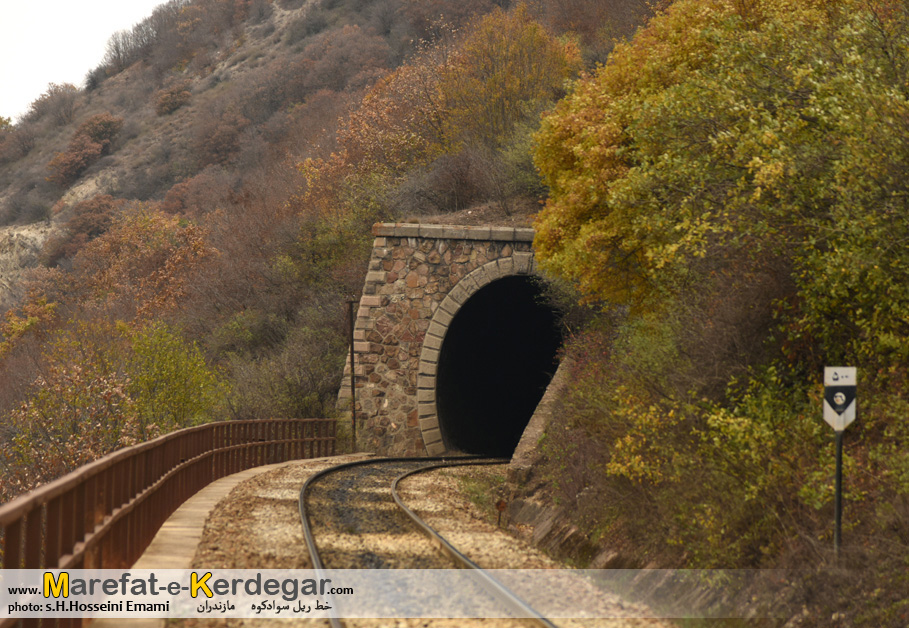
(840, 383)
(353, 384)
(838, 498)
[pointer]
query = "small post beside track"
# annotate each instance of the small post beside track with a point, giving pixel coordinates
(839, 412)
(353, 385)
(838, 497)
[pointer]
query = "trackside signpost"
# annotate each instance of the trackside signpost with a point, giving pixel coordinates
(839, 411)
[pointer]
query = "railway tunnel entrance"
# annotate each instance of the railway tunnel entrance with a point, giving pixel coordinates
(497, 357)
(453, 345)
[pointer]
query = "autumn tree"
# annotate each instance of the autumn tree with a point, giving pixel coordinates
(446, 121)
(101, 128)
(16, 141)
(346, 58)
(104, 386)
(597, 23)
(161, 26)
(507, 68)
(121, 51)
(400, 122)
(217, 137)
(92, 139)
(171, 98)
(202, 193)
(430, 18)
(728, 186)
(138, 268)
(51, 431)
(57, 104)
(90, 219)
(66, 167)
(35, 317)
(398, 125)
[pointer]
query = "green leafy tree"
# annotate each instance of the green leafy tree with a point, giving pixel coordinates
(169, 379)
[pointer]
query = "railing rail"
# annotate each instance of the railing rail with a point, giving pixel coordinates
(104, 514)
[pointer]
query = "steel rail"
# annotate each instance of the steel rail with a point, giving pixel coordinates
(311, 547)
(498, 589)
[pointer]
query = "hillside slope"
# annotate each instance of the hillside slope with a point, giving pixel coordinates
(724, 213)
(209, 195)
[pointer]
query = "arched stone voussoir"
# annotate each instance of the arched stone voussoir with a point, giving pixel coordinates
(461, 292)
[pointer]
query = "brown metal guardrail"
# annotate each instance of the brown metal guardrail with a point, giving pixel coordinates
(104, 514)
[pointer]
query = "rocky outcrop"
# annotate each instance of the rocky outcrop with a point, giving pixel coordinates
(20, 246)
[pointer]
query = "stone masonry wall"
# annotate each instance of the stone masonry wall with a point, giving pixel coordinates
(414, 286)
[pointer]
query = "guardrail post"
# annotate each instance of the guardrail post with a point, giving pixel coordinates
(12, 545)
(52, 533)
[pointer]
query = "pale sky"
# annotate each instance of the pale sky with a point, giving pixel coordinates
(56, 41)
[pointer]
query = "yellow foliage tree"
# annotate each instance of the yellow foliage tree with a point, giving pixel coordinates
(506, 68)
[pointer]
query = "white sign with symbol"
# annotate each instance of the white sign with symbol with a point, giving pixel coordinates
(839, 396)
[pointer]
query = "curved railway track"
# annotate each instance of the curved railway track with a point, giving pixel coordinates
(361, 499)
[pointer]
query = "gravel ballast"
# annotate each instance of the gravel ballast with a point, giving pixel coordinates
(258, 527)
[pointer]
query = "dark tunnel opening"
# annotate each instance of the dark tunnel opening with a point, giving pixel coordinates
(496, 360)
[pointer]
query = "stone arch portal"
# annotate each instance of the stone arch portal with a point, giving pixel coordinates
(496, 359)
(453, 347)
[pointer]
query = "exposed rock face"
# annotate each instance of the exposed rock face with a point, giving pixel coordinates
(19, 249)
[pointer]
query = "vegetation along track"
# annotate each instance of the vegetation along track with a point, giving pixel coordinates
(358, 504)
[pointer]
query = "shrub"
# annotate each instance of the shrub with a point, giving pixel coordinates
(66, 167)
(217, 138)
(89, 219)
(16, 142)
(31, 202)
(346, 58)
(202, 193)
(300, 379)
(104, 386)
(92, 139)
(172, 98)
(101, 128)
(313, 22)
(57, 104)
